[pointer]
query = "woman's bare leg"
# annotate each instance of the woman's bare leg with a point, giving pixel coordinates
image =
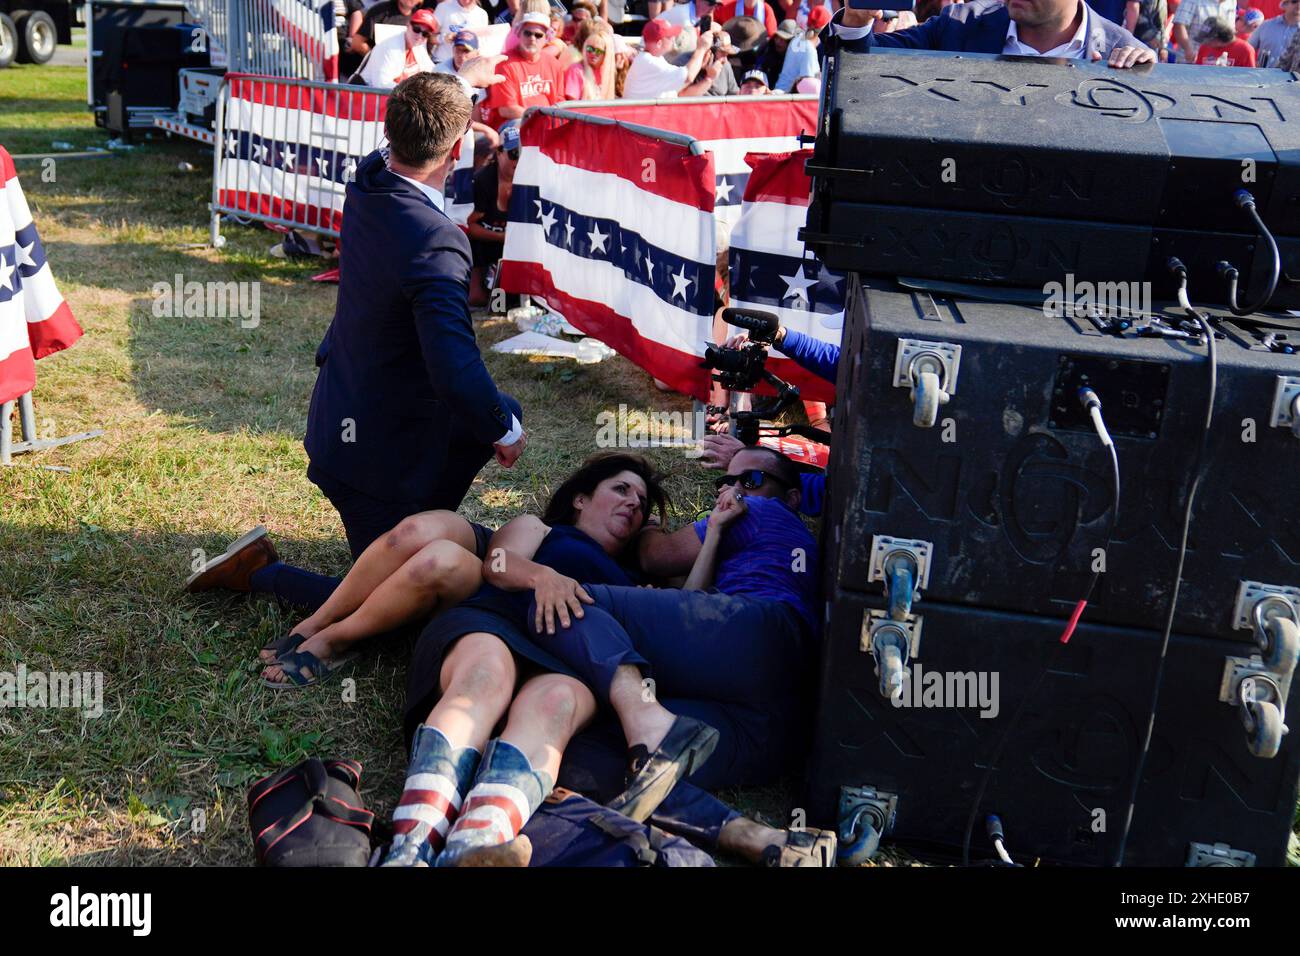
(440, 573)
(519, 772)
(384, 556)
(477, 680)
(548, 710)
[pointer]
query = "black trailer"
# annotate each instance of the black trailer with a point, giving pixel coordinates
(30, 29)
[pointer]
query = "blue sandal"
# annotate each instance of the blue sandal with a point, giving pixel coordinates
(302, 669)
(281, 645)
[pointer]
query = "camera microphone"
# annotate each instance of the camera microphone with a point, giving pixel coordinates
(761, 325)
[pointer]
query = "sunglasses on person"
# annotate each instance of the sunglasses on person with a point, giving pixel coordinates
(532, 34)
(749, 480)
(595, 50)
(422, 32)
(512, 153)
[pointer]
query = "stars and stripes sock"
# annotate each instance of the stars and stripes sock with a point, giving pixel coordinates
(436, 781)
(506, 792)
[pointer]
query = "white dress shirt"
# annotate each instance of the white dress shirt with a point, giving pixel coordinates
(1075, 49)
(435, 197)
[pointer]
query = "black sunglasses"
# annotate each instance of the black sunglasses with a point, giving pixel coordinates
(749, 480)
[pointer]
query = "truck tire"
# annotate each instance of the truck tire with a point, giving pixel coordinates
(37, 36)
(8, 40)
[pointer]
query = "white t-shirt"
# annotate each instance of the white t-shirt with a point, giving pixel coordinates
(653, 78)
(452, 18)
(387, 63)
(680, 14)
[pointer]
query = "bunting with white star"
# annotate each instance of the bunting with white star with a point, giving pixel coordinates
(35, 321)
(771, 270)
(288, 151)
(614, 229)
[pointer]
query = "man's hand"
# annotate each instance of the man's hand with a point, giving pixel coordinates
(718, 450)
(859, 18)
(481, 71)
(1124, 57)
(507, 455)
(729, 509)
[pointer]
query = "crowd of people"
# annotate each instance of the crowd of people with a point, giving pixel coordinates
(651, 48)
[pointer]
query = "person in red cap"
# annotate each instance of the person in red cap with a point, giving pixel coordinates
(531, 79)
(403, 54)
(652, 77)
(384, 13)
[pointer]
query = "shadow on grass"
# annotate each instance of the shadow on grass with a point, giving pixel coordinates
(185, 723)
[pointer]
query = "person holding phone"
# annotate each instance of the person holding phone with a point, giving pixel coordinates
(1069, 29)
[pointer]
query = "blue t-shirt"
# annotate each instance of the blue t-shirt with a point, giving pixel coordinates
(768, 554)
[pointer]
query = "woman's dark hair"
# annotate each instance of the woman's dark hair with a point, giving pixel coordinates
(560, 510)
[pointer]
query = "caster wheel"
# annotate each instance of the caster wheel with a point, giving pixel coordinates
(926, 395)
(1264, 733)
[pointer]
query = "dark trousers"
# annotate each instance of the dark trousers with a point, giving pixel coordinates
(366, 518)
(739, 664)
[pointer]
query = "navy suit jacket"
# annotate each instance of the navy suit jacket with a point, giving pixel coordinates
(981, 27)
(399, 364)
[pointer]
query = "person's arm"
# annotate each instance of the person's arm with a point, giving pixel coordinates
(455, 367)
(482, 234)
(664, 554)
(509, 565)
(812, 485)
(384, 68)
(729, 508)
(820, 358)
(698, 80)
(1131, 10)
(356, 42)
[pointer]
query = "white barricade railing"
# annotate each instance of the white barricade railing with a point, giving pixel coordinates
(286, 149)
(291, 38)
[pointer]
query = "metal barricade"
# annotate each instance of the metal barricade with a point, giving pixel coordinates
(294, 38)
(286, 149)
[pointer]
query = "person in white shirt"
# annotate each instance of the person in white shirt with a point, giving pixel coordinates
(402, 54)
(454, 16)
(651, 77)
(1054, 28)
(688, 14)
(1271, 39)
(1191, 17)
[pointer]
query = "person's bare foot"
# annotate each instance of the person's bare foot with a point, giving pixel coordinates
(651, 728)
(317, 646)
(305, 629)
(517, 853)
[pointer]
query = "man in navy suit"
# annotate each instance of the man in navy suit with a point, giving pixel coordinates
(1058, 28)
(404, 413)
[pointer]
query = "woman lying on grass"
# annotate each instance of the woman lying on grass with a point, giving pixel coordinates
(477, 664)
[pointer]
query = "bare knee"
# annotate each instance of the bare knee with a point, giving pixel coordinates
(418, 530)
(436, 564)
(481, 669)
(555, 700)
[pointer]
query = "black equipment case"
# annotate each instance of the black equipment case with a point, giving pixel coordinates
(1016, 171)
(1004, 503)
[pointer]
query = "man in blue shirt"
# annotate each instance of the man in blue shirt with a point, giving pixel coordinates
(732, 649)
(820, 358)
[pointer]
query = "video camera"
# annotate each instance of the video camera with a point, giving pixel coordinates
(741, 370)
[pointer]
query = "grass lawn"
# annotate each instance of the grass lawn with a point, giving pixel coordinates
(203, 423)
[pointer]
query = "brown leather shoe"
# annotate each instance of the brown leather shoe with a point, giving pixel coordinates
(231, 571)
